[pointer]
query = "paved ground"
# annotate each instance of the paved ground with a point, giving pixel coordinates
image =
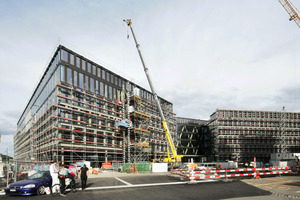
(285, 186)
(161, 186)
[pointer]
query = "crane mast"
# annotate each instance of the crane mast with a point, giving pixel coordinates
(291, 11)
(175, 156)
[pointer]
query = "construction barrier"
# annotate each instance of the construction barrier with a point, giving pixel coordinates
(193, 173)
(141, 167)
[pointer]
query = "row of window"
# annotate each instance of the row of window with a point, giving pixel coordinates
(101, 73)
(258, 114)
(88, 83)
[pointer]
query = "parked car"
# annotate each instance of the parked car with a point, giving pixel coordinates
(34, 184)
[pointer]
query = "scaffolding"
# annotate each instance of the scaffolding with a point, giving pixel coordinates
(146, 138)
(241, 134)
(73, 113)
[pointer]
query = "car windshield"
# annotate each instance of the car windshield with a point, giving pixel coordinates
(39, 175)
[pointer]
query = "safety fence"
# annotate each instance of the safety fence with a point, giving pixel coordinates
(193, 173)
(141, 167)
(16, 171)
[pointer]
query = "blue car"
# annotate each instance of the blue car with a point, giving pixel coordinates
(34, 184)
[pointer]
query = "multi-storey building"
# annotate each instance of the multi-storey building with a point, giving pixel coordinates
(240, 135)
(194, 139)
(73, 111)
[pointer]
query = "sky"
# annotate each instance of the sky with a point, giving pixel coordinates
(202, 55)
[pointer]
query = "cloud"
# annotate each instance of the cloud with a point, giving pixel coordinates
(202, 55)
(8, 125)
(7, 145)
(6, 132)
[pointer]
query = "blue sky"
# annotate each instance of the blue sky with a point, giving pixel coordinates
(201, 54)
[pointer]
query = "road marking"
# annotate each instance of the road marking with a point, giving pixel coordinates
(271, 184)
(289, 181)
(146, 185)
(123, 181)
(128, 185)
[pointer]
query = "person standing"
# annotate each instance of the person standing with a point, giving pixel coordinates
(54, 173)
(84, 172)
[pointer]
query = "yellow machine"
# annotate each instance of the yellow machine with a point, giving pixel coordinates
(163, 158)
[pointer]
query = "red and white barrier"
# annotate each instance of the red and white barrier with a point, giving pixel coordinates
(193, 173)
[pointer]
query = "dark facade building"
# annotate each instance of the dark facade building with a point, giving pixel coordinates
(194, 140)
(74, 111)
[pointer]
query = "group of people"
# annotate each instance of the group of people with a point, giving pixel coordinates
(65, 171)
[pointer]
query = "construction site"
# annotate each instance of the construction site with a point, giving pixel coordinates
(81, 111)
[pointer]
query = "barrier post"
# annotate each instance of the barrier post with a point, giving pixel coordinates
(192, 172)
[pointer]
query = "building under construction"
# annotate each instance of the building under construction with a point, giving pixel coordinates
(81, 111)
(240, 135)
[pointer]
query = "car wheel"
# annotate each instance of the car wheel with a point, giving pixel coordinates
(40, 190)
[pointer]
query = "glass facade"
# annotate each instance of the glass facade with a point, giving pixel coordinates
(72, 114)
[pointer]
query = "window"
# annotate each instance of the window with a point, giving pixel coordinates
(116, 80)
(81, 80)
(75, 78)
(94, 70)
(69, 76)
(89, 68)
(120, 82)
(114, 94)
(107, 76)
(64, 55)
(92, 85)
(77, 62)
(101, 89)
(86, 83)
(112, 78)
(83, 64)
(103, 74)
(110, 92)
(99, 72)
(97, 86)
(62, 73)
(72, 59)
(105, 90)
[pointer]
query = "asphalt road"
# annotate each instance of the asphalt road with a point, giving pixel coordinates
(166, 187)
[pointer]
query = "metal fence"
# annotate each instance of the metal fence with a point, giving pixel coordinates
(17, 171)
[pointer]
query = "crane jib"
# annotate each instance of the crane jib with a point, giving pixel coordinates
(175, 157)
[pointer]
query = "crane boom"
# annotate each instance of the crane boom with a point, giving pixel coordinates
(175, 156)
(291, 11)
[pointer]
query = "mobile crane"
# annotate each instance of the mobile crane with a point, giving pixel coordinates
(166, 158)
